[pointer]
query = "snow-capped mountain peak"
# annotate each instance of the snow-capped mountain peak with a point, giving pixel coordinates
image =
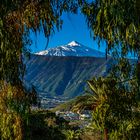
(74, 43)
(73, 48)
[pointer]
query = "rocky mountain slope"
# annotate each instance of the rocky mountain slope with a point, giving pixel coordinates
(63, 76)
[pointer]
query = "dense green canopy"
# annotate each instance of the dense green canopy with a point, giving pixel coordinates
(118, 23)
(115, 21)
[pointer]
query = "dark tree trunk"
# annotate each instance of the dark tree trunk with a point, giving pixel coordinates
(105, 134)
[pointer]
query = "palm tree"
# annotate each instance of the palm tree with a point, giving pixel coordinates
(112, 105)
(99, 90)
(95, 101)
(95, 97)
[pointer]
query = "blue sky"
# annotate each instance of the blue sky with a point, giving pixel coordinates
(74, 28)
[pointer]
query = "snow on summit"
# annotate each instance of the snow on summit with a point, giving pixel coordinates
(72, 49)
(74, 43)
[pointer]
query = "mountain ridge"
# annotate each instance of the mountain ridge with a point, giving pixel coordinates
(73, 48)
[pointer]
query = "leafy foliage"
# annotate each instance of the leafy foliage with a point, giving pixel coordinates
(13, 112)
(17, 18)
(118, 23)
(45, 124)
(115, 110)
(115, 22)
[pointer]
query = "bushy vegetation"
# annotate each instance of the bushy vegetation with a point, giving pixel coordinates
(46, 125)
(13, 112)
(115, 111)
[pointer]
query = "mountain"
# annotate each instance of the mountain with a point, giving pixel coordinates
(63, 76)
(64, 70)
(72, 49)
